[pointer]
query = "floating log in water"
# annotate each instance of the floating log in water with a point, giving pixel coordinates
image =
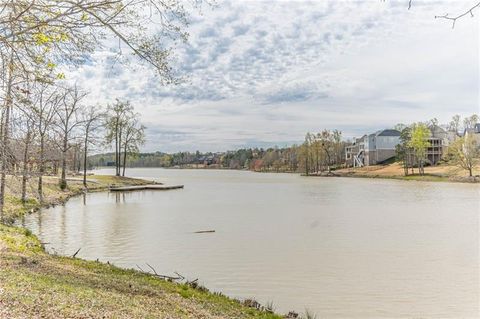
(204, 231)
(144, 187)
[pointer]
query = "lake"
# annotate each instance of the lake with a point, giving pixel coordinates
(340, 247)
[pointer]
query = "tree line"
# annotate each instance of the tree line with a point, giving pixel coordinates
(322, 152)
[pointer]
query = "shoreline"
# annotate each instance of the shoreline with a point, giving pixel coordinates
(411, 177)
(451, 173)
(37, 283)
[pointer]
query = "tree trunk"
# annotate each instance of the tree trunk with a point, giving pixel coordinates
(73, 166)
(117, 159)
(5, 139)
(25, 167)
(41, 169)
(119, 154)
(85, 159)
(124, 158)
(63, 179)
(4, 159)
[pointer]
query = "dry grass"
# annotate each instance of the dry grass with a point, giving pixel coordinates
(442, 172)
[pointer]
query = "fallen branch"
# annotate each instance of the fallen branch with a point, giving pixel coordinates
(74, 255)
(180, 277)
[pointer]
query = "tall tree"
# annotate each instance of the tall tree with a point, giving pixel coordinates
(454, 124)
(470, 121)
(327, 140)
(27, 139)
(92, 121)
(44, 104)
(402, 149)
(306, 153)
(465, 153)
(116, 120)
(67, 121)
(419, 144)
(7, 84)
(134, 138)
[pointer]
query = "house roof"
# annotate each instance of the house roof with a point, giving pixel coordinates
(475, 129)
(388, 132)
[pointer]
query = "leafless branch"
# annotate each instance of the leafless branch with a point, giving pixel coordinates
(180, 277)
(454, 19)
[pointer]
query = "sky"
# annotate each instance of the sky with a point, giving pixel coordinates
(263, 73)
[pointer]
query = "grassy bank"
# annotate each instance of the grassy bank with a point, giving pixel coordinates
(439, 173)
(34, 284)
(53, 195)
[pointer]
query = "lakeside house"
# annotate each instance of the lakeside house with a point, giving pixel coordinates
(475, 132)
(378, 147)
(372, 149)
(439, 141)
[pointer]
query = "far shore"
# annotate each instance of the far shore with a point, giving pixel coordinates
(440, 173)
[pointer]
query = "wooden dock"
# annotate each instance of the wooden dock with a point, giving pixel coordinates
(144, 187)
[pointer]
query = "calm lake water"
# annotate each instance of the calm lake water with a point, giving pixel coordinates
(343, 248)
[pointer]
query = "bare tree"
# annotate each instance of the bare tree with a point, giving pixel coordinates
(28, 137)
(134, 138)
(454, 124)
(117, 118)
(470, 121)
(43, 109)
(5, 128)
(67, 121)
(92, 121)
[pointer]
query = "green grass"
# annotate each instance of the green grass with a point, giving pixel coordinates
(414, 177)
(36, 284)
(426, 177)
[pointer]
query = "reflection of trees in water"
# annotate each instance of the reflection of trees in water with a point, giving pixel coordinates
(63, 226)
(120, 198)
(39, 221)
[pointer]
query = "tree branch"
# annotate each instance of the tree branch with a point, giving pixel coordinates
(454, 19)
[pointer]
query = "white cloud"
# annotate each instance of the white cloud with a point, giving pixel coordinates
(264, 73)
